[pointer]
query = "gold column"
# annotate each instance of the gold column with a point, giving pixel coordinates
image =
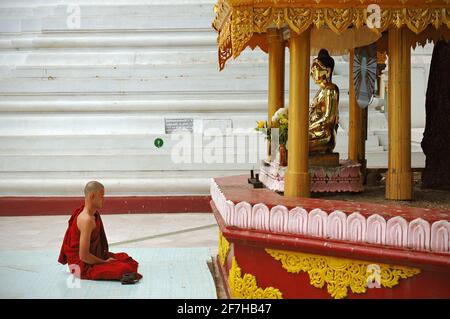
(356, 129)
(276, 71)
(276, 75)
(399, 176)
(297, 179)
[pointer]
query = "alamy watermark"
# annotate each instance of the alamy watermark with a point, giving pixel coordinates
(73, 20)
(215, 146)
(374, 17)
(374, 276)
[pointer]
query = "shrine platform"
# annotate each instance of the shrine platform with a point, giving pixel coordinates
(273, 246)
(346, 177)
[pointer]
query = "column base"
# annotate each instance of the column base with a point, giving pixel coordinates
(297, 184)
(399, 185)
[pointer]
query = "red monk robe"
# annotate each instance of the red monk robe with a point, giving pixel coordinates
(112, 270)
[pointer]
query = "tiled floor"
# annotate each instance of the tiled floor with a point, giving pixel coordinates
(172, 249)
(131, 230)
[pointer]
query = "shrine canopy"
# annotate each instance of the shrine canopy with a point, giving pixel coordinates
(337, 25)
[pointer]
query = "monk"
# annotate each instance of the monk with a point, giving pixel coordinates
(85, 246)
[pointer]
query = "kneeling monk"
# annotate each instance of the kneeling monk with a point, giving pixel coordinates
(85, 245)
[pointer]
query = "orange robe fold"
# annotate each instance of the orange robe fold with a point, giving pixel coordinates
(70, 253)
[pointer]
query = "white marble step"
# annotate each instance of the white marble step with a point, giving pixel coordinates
(157, 84)
(122, 55)
(208, 102)
(80, 85)
(112, 39)
(371, 142)
(88, 142)
(128, 182)
(142, 22)
(51, 162)
(128, 144)
(167, 185)
(106, 123)
(141, 145)
(119, 174)
(120, 68)
(182, 102)
(376, 120)
(164, 9)
(246, 70)
(10, 25)
(23, 12)
(379, 158)
(416, 139)
(72, 163)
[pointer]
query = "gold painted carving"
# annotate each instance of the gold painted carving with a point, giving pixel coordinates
(339, 274)
(241, 29)
(237, 24)
(245, 287)
(338, 20)
(224, 248)
(299, 19)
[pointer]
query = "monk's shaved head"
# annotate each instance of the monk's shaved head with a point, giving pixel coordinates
(93, 187)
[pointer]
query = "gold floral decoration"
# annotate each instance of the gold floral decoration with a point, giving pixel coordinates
(339, 274)
(224, 248)
(245, 287)
(237, 21)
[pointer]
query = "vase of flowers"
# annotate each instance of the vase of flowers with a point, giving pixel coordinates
(281, 120)
(283, 155)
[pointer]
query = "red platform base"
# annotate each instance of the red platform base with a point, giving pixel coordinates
(259, 262)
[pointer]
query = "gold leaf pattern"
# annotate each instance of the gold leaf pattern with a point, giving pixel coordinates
(241, 28)
(436, 20)
(278, 17)
(236, 22)
(359, 17)
(299, 19)
(338, 19)
(417, 19)
(262, 18)
(339, 274)
(224, 248)
(319, 18)
(245, 287)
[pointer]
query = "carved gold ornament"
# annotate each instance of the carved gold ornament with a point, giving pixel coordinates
(224, 248)
(339, 274)
(237, 21)
(245, 287)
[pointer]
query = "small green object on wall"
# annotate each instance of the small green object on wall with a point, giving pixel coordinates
(158, 142)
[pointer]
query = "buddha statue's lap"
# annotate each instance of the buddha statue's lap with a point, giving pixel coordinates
(323, 111)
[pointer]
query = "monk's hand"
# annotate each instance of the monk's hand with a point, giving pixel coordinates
(110, 259)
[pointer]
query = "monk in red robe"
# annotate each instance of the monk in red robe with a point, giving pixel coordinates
(85, 247)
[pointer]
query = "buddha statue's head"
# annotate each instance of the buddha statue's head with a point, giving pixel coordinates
(322, 67)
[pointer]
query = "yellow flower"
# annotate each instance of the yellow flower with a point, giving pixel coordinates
(261, 124)
(284, 121)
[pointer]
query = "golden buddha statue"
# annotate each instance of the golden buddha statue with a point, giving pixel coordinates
(323, 110)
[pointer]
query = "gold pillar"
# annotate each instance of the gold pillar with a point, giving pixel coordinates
(297, 179)
(399, 176)
(276, 71)
(276, 75)
(356, 129)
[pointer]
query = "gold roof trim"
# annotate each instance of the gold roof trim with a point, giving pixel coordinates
(237, 21)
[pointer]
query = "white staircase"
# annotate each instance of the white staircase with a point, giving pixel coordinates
(87, 103)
